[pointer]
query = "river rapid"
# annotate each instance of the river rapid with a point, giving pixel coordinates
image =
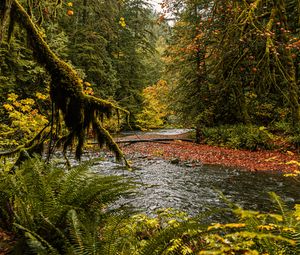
(197, 189)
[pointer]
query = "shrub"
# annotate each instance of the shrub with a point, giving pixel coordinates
(25, 120)
(155, 106)
(252, 233)
(239, 137)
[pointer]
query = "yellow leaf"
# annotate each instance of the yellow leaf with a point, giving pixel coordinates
(122, 22)
(17, 104)
(235, 225)
(293, 162)
(8, 107)
(270, 159)
(25, 108)
(266, 227)
(290, 175)
(297, 211)
(27, 101)
(12, 97)
(214, 226)
(40, 96)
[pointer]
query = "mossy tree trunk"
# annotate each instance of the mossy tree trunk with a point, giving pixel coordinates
(79, 111)
(5, 6)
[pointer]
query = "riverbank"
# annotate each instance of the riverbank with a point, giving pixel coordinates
(195, 154)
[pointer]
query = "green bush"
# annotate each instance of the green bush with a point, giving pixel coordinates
(291, 133)
(239, 137)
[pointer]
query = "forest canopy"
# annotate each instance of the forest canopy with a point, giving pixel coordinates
(221, 62)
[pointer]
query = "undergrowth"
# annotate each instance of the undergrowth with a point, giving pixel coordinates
(239, 137)
(51, 210)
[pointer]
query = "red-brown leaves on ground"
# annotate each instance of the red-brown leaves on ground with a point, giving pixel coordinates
(261, 160)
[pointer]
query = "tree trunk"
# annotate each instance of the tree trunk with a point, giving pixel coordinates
(198, 134)
(5, 7)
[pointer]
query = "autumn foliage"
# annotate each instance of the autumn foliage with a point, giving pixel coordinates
(155, 106)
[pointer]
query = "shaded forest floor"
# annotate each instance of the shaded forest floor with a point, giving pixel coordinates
(194, 154)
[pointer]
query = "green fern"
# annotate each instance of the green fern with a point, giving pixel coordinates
(36, 243)
(56, 209)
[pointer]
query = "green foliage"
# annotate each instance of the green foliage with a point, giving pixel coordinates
(239, 137)
(18, 72)
(110, 43)
(291, 133)
(139, 232)
(54, 211)
(79, 111)
(133, 52)
(253, 233)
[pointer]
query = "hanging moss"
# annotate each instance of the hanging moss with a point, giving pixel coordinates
(79, 111)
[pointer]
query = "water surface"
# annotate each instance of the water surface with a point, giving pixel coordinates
(195, 189)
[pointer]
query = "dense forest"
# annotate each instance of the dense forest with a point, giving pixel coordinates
(72, 71)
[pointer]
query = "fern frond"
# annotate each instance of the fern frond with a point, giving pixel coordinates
(163, 240)
(280, 204)
(75, 231)
(37, 242)
(114, 243)
(59, 208)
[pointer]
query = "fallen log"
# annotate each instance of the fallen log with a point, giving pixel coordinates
(150, 140)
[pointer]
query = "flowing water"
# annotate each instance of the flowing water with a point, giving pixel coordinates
(197, 189)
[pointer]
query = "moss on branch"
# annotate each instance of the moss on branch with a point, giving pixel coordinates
(79, 111)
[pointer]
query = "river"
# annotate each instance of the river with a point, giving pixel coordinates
(197, 189)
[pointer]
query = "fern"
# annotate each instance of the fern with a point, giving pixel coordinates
(281, 205)
(38, 244)
(75, 231)
(174, 239)
(61, 209)
(116, 239)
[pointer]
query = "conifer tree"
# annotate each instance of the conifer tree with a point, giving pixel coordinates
(91, 31)
(135, 43)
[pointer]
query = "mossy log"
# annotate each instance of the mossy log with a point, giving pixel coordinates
(80, 111)
(154, 140)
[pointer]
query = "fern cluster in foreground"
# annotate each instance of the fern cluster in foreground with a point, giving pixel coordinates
(57, 211)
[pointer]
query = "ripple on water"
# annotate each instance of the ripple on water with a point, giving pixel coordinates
(196, 189)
